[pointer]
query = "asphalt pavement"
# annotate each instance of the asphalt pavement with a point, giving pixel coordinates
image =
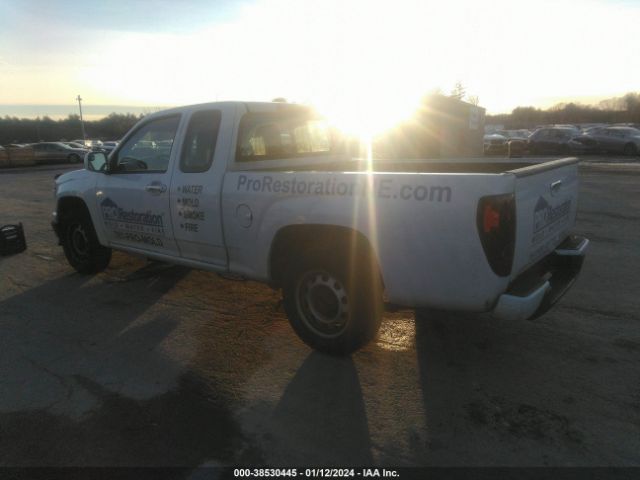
(148, 364)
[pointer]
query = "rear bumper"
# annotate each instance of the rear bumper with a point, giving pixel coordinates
(535, 291)
(495, 148)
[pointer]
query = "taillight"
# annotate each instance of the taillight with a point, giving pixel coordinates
(496, 221)
(490, 219)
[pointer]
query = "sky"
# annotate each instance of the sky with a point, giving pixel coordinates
(344, 56)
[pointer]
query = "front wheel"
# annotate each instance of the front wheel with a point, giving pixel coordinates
(332, 308)
(81, 245)
(73, 158)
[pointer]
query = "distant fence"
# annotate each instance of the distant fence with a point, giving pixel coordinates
(17, 157)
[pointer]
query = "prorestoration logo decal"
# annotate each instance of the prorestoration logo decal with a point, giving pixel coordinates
(546, 219)
(128, 224)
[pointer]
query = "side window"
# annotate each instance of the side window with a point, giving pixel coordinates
(270, 136)
(543, 134)
(200, 141)
(149, 148)
(312, 137)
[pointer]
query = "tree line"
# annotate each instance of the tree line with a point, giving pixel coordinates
(625, 109)
(45, 129)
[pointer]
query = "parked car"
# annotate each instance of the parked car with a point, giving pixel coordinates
(594, 130)
(552, 140)
(261, 191)
(517, 141)
(583, 144)
(625, 140)
(88, 143)
(4, 157)
(74, 144)
(107, 147)
(19, 155)
(494, 143)
(45, 152)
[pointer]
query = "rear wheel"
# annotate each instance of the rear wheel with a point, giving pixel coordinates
(630, 149)
(333, 308)
(81, 245)
(73, 158)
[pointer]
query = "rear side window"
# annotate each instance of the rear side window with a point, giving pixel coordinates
(279, 135)
(200, 141)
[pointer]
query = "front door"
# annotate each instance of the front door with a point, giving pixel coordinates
(197, 185)
(133, 199)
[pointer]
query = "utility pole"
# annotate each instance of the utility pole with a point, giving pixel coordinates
(79, 98)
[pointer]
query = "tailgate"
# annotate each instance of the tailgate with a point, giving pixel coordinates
(546, 203)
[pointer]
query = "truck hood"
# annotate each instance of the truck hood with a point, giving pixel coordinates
(71, 176)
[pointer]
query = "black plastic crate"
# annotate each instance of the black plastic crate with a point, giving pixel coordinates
(12, 239)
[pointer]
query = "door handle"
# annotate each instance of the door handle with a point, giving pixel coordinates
(555, 187)
(156, 187)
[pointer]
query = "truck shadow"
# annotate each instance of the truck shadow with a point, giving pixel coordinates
(320, 418)
(83, 384)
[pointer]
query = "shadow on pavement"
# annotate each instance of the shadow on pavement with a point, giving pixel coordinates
(86, 385)
(321, 419)
(489, 397)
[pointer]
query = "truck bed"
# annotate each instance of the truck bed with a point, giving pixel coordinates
(463, 165)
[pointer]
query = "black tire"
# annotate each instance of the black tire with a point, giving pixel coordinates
(630, 149)
(333, 309)
(81, 245)
(73, 158)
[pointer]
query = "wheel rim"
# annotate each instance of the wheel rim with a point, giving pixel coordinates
(323, 303)
(79, 242)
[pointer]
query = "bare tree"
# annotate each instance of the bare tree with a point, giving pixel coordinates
(458, 91)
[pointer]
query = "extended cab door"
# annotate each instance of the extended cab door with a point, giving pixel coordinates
(133, 199)
(196, 186)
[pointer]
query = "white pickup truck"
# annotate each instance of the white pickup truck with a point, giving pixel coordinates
(269, 192)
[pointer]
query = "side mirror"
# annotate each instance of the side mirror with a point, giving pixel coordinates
(95, 162)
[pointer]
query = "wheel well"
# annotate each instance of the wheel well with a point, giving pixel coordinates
(70, 206)
(292, 242)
